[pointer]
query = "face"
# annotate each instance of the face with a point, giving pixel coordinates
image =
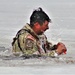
(39, 29)
(45, 26)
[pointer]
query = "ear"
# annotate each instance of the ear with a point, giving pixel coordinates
(37, 25)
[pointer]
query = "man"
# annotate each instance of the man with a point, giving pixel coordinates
(30, 40)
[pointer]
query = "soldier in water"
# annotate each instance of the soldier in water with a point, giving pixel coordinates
(31, 40)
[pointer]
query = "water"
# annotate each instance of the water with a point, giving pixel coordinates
(14, 14)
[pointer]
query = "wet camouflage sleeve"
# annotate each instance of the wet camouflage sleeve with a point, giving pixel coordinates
(27, 45)
(30, 46)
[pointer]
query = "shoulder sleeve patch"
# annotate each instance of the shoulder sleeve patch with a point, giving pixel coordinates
(29, 44)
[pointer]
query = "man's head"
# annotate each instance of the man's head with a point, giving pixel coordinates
(39, 21)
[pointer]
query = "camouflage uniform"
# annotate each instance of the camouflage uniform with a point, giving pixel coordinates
(27, 42)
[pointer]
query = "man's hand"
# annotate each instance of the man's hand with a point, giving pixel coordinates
(61, 48)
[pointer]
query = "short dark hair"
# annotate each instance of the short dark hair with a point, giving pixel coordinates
(39, 16)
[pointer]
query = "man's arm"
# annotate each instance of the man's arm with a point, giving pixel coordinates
(59, 49)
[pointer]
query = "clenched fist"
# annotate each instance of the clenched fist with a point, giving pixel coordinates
(61, 48)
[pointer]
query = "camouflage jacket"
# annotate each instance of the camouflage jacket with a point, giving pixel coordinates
(27, 42)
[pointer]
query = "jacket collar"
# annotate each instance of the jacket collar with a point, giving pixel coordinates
(31, 31)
